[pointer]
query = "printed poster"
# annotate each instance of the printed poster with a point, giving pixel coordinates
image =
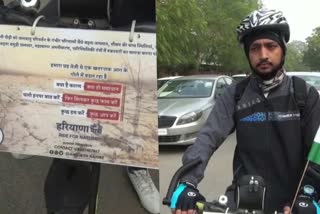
(79, 94)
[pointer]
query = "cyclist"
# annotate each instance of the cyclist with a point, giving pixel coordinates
(274, 133)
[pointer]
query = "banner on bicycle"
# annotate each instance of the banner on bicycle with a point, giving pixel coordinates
(79, 94)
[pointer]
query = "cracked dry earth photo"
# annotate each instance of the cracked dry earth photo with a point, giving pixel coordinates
(32, 126)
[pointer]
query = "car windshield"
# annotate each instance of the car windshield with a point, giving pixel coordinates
(162, 82)
(312, 80)
(187, 88)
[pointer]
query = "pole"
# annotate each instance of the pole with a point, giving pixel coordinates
(295, 196)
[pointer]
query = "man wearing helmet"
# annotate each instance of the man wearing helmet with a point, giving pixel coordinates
(273, 134)
(267, 28)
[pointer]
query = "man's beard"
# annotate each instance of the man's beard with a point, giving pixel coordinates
(269, 75)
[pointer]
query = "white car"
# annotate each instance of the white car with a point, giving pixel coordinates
(163, 80)
(239, 77)
(312, 78)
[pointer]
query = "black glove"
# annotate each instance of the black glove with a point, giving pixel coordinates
(185, 197)
(304, 205)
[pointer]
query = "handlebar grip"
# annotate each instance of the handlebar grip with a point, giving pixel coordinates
(200, 206)
(176, 178)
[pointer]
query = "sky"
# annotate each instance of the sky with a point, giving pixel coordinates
(302, 15)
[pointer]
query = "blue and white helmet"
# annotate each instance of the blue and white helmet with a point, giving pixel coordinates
(264, 19)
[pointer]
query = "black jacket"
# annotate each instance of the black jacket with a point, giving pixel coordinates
(272, 139)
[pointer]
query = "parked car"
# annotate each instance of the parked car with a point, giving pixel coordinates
(239, 77)
(184, 105)
(163, 80)
(312, 78)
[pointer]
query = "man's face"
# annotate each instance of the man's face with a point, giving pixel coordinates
(265, 56)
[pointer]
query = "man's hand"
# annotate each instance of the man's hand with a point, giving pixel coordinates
(286, 210)
(173, 211)
(184, 199)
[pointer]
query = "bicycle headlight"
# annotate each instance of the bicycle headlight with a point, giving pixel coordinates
(189, 117)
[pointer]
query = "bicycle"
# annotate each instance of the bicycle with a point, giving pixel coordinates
(220, 206)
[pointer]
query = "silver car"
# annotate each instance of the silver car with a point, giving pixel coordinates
(239, 77)
(163, 80)
(312, 78)
(184, 105)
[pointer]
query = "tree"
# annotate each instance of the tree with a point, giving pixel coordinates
(294, 56)
(312, 54)
(180, 25)
(223, 49)
(195, 32)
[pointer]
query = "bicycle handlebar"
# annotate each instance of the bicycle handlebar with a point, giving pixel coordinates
(212, 208)
(202, 207)
(176, 178)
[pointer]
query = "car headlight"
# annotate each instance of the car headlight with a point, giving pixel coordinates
(189, 117)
